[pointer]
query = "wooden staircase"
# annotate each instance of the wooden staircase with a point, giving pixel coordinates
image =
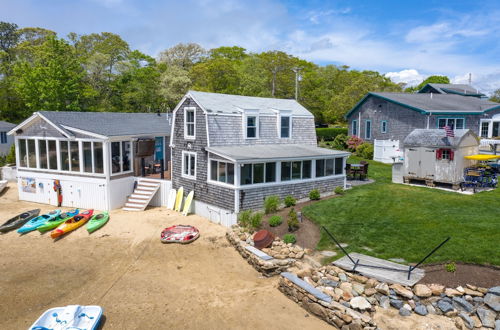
(142, 195)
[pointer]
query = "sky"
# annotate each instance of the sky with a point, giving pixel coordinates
(406, 40)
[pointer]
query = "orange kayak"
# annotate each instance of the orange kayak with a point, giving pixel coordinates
(72, 224)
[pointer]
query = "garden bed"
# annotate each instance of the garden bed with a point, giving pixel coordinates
(484, 276)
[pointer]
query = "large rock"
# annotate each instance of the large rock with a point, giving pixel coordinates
(421, 310)
(328, 282)
(422, 290)
(404, 311)
(359, 288)
(497, 325)
(468, 321)
(431, 309)
(452, 292)
(495, 290)
(436, 289)
(346, 286)
(473, 293)
(493, 301)
(462, 304)
(359, 278)
(370, 292)
(444, 306)
(360, 303)
(383, 301)
(343, 277)
(402, 291)
(383, 288)
(487, 317)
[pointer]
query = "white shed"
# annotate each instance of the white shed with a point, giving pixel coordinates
(431, 156)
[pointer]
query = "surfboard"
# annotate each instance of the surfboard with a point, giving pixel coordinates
(187, 203)
(178, 199)
(171, 199)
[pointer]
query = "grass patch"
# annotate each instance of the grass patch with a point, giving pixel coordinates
(400, 221)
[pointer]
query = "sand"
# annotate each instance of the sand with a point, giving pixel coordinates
(140, 282)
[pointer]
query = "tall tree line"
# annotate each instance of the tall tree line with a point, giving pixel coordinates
(100, 72)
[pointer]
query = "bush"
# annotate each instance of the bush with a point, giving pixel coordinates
(289, 201)
(451, 267)
(289, 238)
(314, 195)
(354, 142)
(244, 218)
(271, 204)
(256, 220)
(338, 190)
(330, 133)
(275, 221)
(293, 220)
(340, 142)
(365, 150)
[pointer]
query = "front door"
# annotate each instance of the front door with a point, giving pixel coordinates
(159, 148)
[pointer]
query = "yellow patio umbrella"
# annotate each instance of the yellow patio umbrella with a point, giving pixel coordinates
(482, 157)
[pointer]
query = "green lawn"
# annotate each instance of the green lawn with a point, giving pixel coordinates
(400, 221)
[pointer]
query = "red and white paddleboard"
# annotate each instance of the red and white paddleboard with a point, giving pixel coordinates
(179, 234)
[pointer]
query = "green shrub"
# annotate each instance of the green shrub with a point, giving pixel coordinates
(340, 142)
(11, 156)
(271, 204)
(451, 267)
(329, 133)
(293, 220)
(256, 220)
(289, 238)
(338, 190)
(289, 201)
(365, 150)
(275, 221)
(314, 195)
(244, 218)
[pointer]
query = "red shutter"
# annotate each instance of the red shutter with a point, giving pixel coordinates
(452, 154)
(439, 152)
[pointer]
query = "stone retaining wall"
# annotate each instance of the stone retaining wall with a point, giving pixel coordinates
(284, 255)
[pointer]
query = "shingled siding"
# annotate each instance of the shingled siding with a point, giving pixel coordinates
(253, 198)
(400, 120)
(204, 192)
(472, 122)
(228, 130)
(40, 127)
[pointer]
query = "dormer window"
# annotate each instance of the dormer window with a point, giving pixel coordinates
(251, 127)
(285, 127)
(189, 122)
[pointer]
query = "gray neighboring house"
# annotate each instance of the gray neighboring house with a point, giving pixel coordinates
(234, 151)
(458, 89)
(392, 116)
(6, 140)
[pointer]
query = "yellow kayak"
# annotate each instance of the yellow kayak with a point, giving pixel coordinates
(72, 224)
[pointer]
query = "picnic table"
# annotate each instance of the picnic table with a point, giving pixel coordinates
(360, 169)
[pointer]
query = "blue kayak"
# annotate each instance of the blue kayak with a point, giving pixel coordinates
(73, 317)
(38, 221)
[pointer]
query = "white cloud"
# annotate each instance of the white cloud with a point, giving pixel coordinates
(410, 77)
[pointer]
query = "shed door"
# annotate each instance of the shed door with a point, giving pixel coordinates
(427, 163)
(413, 162)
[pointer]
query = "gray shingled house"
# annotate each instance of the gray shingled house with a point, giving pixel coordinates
(458, 89)
(392, 116)
(234, 151)
(6, 141)
(93, 155)
(431, 156)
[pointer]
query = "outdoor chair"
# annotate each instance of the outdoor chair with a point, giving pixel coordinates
(363, 174)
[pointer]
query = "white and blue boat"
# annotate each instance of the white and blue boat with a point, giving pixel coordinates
(38, 221)
(71, 317)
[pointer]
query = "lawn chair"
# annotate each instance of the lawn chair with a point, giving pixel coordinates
(363, 174)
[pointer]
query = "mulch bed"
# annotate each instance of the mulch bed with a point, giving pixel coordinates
(484, 276)
(308, 234)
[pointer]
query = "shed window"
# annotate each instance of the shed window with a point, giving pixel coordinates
(3, 137)
(189, 122)
(354, 128)
(285, 126)
(445, 154)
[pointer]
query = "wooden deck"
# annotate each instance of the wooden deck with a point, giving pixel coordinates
(391, 276)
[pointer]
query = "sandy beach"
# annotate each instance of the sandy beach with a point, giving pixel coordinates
(140, 282)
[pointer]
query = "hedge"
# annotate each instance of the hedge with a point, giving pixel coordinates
(329, 134)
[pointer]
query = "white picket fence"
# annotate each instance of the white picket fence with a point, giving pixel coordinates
(387, 151)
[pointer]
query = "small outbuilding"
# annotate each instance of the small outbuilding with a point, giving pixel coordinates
(432, 156)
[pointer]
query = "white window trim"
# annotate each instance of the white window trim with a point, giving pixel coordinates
(121, 158)
(189, 137)
(209, 173)
(190, 153)
(354, 127)
(490, 128)
(289, 125)
(251, 113)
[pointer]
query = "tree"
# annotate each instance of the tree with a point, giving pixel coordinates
(234, 53)
(429, 80)
(174, 83)
(51, 80)
(183, 55)
(496, 96)
(9, 36)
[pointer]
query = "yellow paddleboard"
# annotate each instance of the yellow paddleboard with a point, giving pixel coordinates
(187, 203)
(178, 200)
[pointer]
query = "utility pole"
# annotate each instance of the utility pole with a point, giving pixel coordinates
(297, 72)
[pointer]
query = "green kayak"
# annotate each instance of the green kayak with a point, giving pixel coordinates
(97, 221)
(55, 222)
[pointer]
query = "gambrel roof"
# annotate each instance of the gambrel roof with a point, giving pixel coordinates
(436, 138)
(236, 104)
